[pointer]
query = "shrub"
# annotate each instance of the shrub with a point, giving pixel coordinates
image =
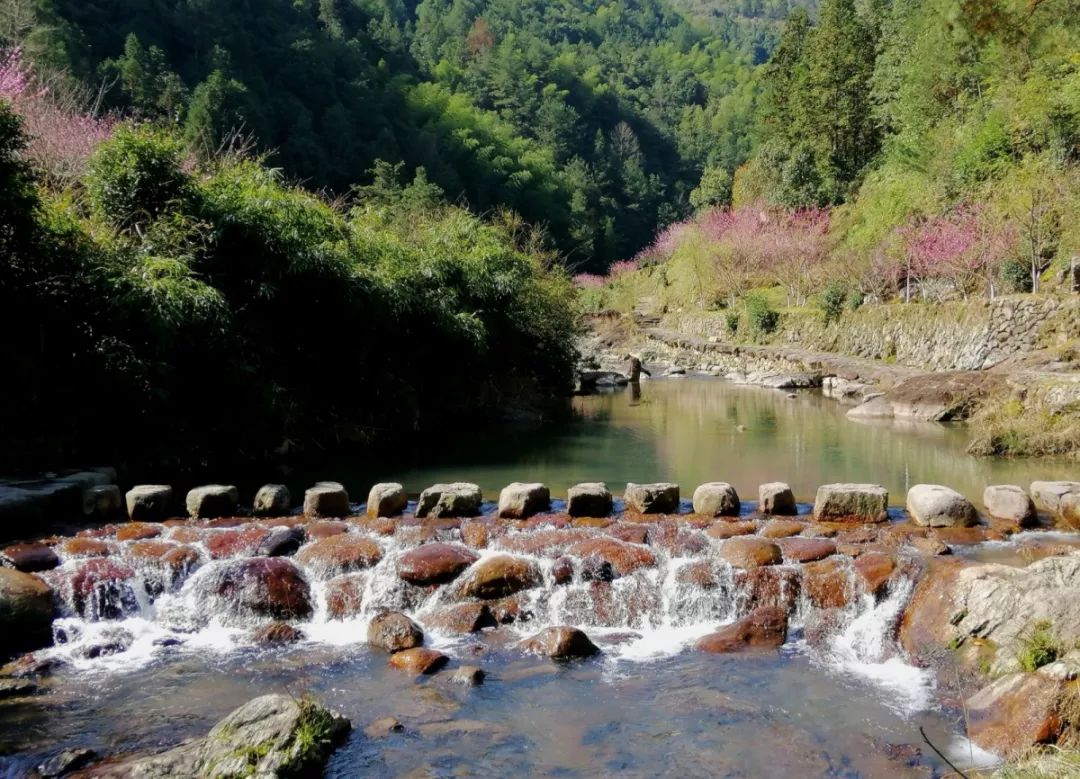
(1015, 276)
(832, 301)
(731, 319)
(763, 318)
(1039, 648)
(136, 175)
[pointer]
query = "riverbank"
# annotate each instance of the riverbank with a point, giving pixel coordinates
(1010, 367)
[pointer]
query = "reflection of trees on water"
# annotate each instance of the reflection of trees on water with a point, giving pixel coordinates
(806, 441)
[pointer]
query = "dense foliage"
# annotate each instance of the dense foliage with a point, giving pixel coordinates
(595, 118)
(209, 311)
(941, 136)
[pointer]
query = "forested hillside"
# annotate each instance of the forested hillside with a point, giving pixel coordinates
(595, 119)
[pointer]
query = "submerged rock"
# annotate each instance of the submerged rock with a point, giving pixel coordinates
(498, 576)
(418, 661)
(387, 499)
(521, 501)
(851, 503)
(776, 498)
(468, 676)
(282, 542)
(782, 528)
(763, 628)
(589, 499)
(560, 643)
(461, 618)
(261, 587)
(750, 552)
(272, 500)
(936, 506)
(716, 499)
(459, 499)
(432, 564)
(148, 502)
(658, 498)
(277, 633)
(67, 761)
(339, 554)
(345, 595)
(620, 557)
(392, 631)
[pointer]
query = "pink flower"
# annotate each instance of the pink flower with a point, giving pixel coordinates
(589, 281)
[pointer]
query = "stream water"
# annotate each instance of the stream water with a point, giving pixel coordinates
(151, 654)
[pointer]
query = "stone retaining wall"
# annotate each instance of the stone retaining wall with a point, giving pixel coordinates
(960, 335)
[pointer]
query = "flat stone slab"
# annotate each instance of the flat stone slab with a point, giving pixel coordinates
(934, 505)
(851, 503)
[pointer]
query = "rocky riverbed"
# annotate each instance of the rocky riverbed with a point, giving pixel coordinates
(940, 595)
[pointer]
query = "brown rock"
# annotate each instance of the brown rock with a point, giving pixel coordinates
(959, 536)
(431, 564)
(235, 542)
(137, 531)
(623, 558)
(750, 552)
(277, 633)
(82, 546)
(560, 643)
(725, 529)
(26, 608)
(874, 570)
(676, 540)
(763, 628)
(265, 587)
(630, 532)
(392, 631)
(698, 573)
(769, 586)
(1015, 712)
(499, 576)
(418, 661)
(806, 550)
(827, 583)
(929, 546)
(340, 554)
(101, 587)
(562, 570)
(29, 558)
(325, 528)
(510, 609)
(345, 595)
(781, 528)
(461, 618)
(475, 534)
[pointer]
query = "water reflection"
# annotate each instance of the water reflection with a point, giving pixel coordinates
(697, 430)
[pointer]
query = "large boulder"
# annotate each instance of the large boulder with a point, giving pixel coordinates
(387, 499)
(1015, 712)
(589, 499)
(1047, 495)
(211, 501)
(749, 552)
(716, 499)
(775, 497)
(271, 737)
(936, 506)
(437, 563)
(326, 499)
(851, 503)
(148, 502)
(763, 628)
(1009, 502)
(560, 643)
(988, 611)
(272, 500)
(658, 498)
(339, 554)
(459, 499)
(26, 610)
(392, 631)
(271, 587)
(498, 576)
(521, 501)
